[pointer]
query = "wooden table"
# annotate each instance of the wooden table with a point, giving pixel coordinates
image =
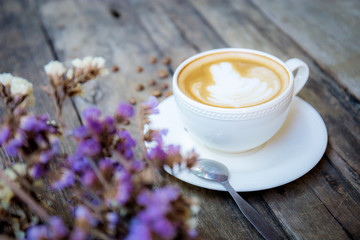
(323, 204)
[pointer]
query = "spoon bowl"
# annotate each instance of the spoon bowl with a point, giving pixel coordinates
(218, 172)
(211, 170)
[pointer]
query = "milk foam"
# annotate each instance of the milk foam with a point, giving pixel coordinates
(233, 90)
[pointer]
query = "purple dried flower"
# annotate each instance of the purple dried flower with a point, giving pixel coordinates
(166, 194)
(126, 144)
(12, 147)
(125, 110)
(46, 156)
(91, 113)
(88, 178)
(144, 198)
(161, 196)
(4, 134)
(173, 149)
(91, 116)
(157, 153)
(109, 123)
(137, 165)
(94, 126)
(80, 133)
(105, 163)
(106, 166)
(157, 204)
(33, 124)
(66, 180)
(124, 186)
(37, 170)
(138, 231)
(151, 104)
(192, 233)
(152, 213)
(164, 228)
(40, 140)
(77, 161)
(127, 140)
(78, 234)
(43, 117)
(157, 135)
(112, 219)
(83, 214)
(89, 147)
(37, 232)
(58, 228)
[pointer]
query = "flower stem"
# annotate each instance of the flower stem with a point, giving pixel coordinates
(98, 174)
(33, 206)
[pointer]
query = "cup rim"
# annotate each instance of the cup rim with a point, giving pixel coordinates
(178, 93)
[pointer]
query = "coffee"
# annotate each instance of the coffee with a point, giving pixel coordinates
(233, 79)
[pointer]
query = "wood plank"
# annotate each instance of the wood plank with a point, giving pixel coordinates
(270, 40)
(328, 31)
(337, 109)
(176, 29)
(186, 17)
(24, 52)
(178, 32)
(117, 39)
(129, 53)
(341, 200)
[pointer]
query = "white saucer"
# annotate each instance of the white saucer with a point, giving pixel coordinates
(292, 152)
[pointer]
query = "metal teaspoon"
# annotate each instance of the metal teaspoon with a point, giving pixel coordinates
(218, 172)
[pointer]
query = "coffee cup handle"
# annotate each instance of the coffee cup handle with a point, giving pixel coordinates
(302, 74)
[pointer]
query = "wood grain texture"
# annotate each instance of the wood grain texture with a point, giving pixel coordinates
(338, 108)
(323, 204)
(126, 31)
(180, 32)
(320, 86)
(327, 30)
(24, 52)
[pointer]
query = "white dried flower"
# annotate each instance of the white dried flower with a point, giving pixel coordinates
(195, 205)
(195, 209)
(87, 61)
(5, 79)
(192, 223)
(20, 168)
(17, 85)
(55, 68)
(20, 86)
(93, 63)
(98, 62)
(70, 74)
(77, 62)
(6, 194)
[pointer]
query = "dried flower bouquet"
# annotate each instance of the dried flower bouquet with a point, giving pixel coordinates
(110, 192)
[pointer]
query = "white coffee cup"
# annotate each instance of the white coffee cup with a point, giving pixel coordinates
(238, 129)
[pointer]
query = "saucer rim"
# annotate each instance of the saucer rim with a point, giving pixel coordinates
(307, 166)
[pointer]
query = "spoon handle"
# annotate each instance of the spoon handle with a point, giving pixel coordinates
(251, 214)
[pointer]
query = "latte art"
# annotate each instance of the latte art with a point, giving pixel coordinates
(232, 89)
(233, 80)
